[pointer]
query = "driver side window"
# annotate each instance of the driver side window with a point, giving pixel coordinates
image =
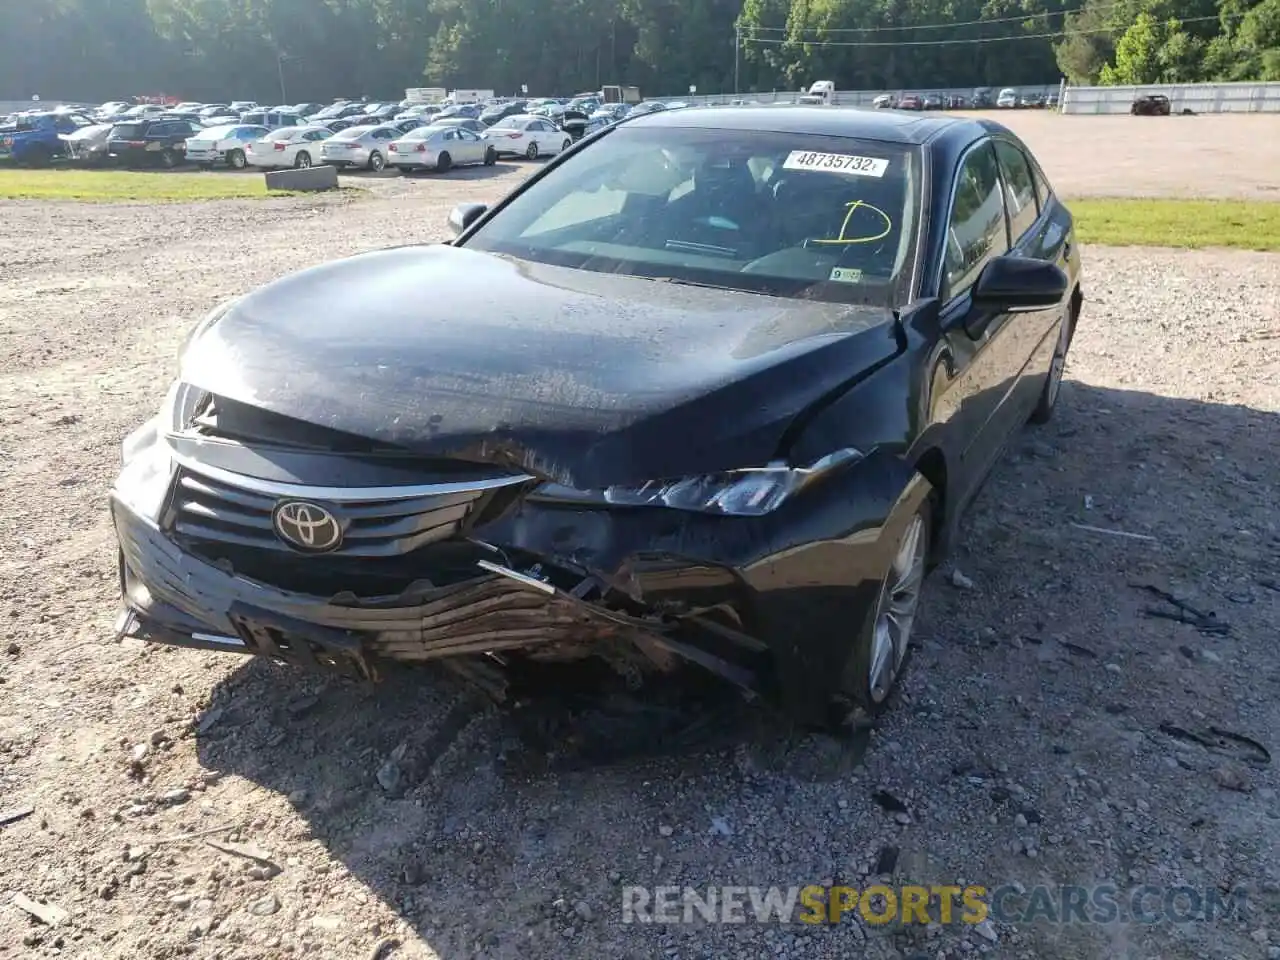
(976, 228)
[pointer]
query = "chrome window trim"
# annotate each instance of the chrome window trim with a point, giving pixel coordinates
(985, 141)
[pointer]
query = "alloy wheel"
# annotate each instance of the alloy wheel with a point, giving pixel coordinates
(896, 610)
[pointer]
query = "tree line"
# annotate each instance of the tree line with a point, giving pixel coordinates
(295, 50)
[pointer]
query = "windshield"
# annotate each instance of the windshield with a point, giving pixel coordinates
(822, 218)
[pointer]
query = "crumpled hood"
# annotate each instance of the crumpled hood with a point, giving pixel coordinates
(588, 378)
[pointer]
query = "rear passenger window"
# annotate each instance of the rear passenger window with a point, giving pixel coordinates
(1019, 188)
(976, 229)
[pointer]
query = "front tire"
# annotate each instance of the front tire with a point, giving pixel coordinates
(532, 152)
(1043, 412)
(880, 655)
(566, 145)
(490, 157)
(302, 161)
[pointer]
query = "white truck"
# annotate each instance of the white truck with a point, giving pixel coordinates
(425, 94)
(618, 94)
(821, 93)
(459, 97)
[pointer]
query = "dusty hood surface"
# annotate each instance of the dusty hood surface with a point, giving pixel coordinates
(585, 377)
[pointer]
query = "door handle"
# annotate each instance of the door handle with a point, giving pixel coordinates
(1066, 250)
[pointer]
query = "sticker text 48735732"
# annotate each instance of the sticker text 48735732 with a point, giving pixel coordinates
(836, 163)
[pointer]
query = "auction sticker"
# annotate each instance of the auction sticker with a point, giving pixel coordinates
(836, 163)
(846, 275)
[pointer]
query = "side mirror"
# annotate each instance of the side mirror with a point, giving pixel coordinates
(1019, 284)
(464, 215)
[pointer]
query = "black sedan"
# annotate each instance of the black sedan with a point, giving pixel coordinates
(153, 141)
(713, 388)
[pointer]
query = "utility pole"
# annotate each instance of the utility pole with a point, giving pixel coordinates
(280, 65)
(737, 48)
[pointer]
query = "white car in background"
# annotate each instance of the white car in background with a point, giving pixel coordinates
(439, 149)
(225, 144)
(88, 145)
(526, 135)
(1008, 98)
(365, 147)
(288, 147)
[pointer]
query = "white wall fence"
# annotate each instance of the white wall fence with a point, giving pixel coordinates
(849, 98)
(1197, 97)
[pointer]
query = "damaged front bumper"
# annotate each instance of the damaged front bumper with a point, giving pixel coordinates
(771, 604)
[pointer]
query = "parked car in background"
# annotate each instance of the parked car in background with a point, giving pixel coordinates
(932, 101)
(35, 139)
(646, 106)
(272, 119)
(363, 146)
(337, 126)
(526, 135)
(1031, 101)
(112, 108)
(243, 106)
(466, 123)
(607, 115)
(289, 147)
(306, 109)
(677, 105)
(338, 111)
(150, 142)
(883, 102)
(1151, 105)
(225, 144)
(410, 123)
(911, 101)
(439, 149)
(1008, 98)
(465, 111)
(424, 111)
(955, 101)
(982, 98)
(500, 111)
(88, 145)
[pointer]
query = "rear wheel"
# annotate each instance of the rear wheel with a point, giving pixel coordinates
(303, 160)
(235, 160)
(443, 162)
(532, 152)
(1043, 412)
(376, 162)
(168, 159)
(884, 640)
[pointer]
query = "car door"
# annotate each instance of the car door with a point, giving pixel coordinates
(1034, 233)
(972, 386)
(470, 147)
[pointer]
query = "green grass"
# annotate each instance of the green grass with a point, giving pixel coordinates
(117, 185)
(1241, 224)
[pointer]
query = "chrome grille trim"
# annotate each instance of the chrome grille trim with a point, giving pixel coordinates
(221, 509)
(275, 490)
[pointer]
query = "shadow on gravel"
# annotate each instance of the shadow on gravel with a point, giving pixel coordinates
(475, 172)
(508, 833)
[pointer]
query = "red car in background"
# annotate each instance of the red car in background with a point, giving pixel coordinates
(911, 102)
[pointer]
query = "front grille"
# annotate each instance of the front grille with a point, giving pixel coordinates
(213, 514)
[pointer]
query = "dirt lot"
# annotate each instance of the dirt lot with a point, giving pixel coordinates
(1038, 741)
(1216, 155)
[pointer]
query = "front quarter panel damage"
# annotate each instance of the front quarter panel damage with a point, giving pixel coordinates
(800, 579)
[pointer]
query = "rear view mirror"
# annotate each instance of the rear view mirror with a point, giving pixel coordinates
(464, 215)
(1016, 284)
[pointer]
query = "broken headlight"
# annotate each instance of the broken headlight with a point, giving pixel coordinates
(738, 493)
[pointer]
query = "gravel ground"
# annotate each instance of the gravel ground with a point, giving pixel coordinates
(1036, 742)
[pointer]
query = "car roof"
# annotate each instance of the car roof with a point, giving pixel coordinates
(884, 125)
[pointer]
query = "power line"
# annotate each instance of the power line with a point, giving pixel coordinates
(946, 43)
(945, 26)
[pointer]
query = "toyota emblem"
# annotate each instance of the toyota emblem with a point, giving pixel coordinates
(306, 526)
